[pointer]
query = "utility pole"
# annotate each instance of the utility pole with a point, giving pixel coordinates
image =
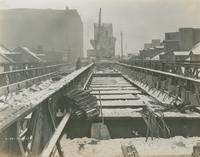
(98, 31)
(99, 17)
(122, 48)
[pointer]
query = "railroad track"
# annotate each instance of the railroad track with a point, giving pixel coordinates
(118, 96)
(11, 77)
(121, 98)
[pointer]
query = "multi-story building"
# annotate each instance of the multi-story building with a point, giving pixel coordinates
(188, 38)
(151, 49)
(183, 40)
(171, 42)
(52, 32)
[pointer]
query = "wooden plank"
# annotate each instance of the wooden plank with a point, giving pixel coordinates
(53, 125)
(123, 103)
(50, 145)
(116, 92)
(37, 142)
(19, 140)
(122, 113)
(113, 88)
(105, 80)
(87, 81)
(107, 74)
(111, 83)
(109, 86)
(119, 97)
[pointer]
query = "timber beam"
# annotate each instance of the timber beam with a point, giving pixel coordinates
(29, 132)
(166, 85)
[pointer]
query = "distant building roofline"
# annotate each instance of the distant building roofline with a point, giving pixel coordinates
(7, 58)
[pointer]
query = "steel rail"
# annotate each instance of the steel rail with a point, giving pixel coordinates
(161, 72)
(184, 68)
(11, 77)
(65, 82)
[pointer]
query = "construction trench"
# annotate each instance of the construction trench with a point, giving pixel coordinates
(123, 105)
(100, 110)
(127, 118)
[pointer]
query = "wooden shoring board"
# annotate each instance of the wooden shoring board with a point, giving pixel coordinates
(50, 145)
(116, 92)
(102, 79)
(114, 88)
(107, 78)
(109, 86)
(109, 81)
(122, 103)
(119, 97)
(107, 74)
(178, 115)
(117, 113)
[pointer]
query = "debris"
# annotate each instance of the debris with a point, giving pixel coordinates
(112, 148)
(93, 141)
(81, 146)
(129, 150)
(83, 103)
(155, 124)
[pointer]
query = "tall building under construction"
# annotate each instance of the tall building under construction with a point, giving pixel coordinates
(56, 33)
(103, 43)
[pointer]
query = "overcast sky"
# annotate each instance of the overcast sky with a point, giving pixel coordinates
(140, 20)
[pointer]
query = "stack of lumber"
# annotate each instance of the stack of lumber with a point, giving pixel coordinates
(84, 104)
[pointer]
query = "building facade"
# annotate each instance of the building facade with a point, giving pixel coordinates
(188, 38)
(171, 42)
(151, 49)
(183, 40)
(43, 31)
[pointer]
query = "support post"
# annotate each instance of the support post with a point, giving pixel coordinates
(122, 48)
(196, 150)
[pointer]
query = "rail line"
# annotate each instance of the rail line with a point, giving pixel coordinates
(10, 77)
(124, 93)
(36, 106)
(184, 68)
